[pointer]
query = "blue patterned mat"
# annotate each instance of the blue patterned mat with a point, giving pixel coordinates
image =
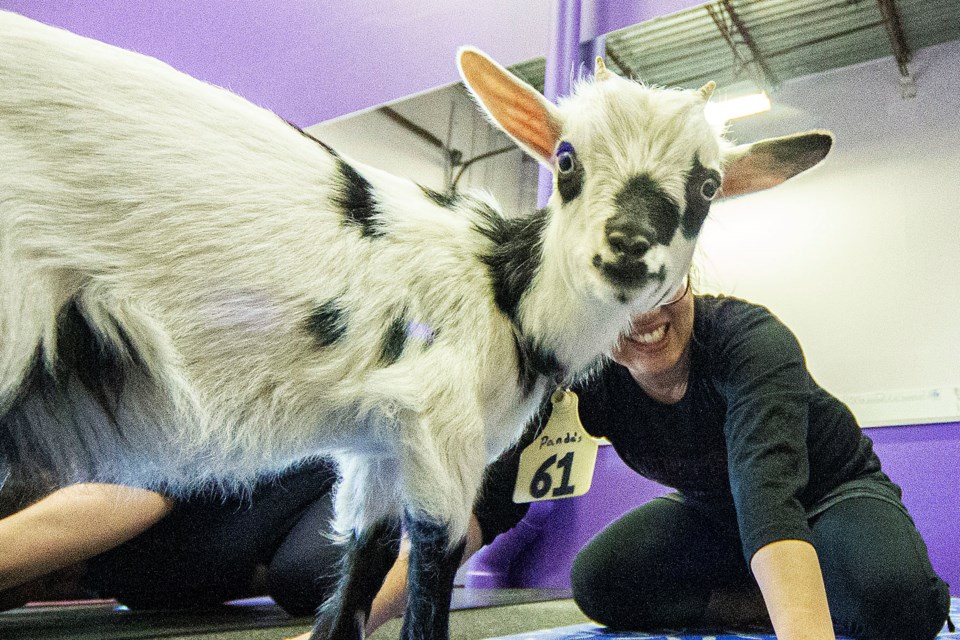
(591, 631)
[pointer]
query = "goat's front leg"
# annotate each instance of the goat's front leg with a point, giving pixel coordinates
(433, 565)
(367, 558)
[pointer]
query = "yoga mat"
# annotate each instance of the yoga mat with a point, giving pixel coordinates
(591, 631)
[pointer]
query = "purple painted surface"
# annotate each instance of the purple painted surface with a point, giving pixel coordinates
(561, 527)
(562, 62)
(603, 16)
(311, 61)
(306, 60)
(922, 459)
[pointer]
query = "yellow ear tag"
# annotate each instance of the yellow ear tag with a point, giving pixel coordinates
(559, 463)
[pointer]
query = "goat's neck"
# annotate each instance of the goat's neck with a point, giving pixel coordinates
(565, 330)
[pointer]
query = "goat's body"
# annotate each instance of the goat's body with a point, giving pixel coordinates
(147, 228)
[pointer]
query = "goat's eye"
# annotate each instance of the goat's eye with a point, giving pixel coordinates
(566, 158)
(569, 172)
(709, 188)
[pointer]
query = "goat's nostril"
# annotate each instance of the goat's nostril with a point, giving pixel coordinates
(639, 246)
(617, 239)
(626, 244)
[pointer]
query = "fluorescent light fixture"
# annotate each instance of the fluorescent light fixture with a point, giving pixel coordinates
(740, 107)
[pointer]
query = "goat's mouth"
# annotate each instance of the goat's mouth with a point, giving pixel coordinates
(627, 277)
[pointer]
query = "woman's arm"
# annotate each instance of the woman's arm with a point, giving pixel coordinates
(71, 525)
(788, 573)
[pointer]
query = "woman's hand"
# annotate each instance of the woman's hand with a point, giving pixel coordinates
(788, 573)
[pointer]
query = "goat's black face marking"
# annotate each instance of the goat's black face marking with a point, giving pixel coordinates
(570, 173)
(645, 217)
(355, 198)
(645, 212)
(327, 323)
(394, 341)
(701, 187)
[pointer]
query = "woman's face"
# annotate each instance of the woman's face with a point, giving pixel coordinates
(658, 339)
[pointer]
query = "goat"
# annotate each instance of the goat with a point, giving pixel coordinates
(193, 291)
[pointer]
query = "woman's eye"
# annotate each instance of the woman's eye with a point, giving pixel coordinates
(709, 188)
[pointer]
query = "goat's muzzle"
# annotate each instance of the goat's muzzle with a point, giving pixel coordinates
(628, 245)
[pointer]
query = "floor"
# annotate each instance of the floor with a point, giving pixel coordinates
(479, 614)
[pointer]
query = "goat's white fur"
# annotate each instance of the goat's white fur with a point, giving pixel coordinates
(201, 228)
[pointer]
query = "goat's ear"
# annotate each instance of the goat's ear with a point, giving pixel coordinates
(767, 163)
(512, 104)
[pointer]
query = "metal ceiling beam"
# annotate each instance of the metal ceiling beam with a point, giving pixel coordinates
(413, 128)
(625, 68)
(721, 12)
(826, 38)
(894, 26)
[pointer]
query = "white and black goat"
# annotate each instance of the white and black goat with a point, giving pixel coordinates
(193, 291)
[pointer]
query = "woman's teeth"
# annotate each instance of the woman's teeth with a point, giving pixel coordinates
(654, 336)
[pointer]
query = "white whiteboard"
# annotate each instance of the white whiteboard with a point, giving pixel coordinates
(918, 406)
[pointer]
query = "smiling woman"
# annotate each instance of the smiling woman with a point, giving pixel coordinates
(656, 352)
(782, 516)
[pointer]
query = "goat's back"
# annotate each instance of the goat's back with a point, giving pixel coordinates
(221, 273)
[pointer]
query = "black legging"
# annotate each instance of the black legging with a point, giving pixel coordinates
(209, 549)
(670, 565)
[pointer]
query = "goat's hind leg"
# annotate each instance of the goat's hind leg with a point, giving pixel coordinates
(366, 560)
(433, 565)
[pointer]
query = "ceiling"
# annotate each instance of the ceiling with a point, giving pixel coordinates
(745, 45)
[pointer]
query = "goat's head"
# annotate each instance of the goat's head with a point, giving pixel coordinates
(635, 170)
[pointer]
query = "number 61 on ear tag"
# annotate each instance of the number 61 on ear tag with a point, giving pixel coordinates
(559, 463)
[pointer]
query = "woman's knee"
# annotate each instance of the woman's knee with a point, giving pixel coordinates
(897, 609)
(877, 571)
(591, 584)
(303, 571)
(620, 599)
(913, 613)
(300, 588)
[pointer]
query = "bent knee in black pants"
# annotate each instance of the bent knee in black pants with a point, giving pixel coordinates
(877, 572)
(657, 567)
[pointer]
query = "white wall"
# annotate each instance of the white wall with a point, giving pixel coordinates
(861, 257)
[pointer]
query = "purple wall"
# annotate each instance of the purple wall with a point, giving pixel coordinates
(310, 61)
(921, 459)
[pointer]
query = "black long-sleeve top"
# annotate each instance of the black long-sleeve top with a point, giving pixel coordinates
(753, 432)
